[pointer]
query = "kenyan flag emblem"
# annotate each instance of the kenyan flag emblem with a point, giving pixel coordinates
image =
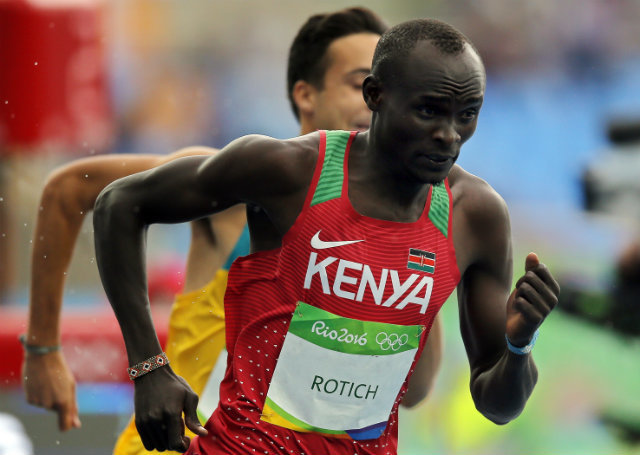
(423, 261)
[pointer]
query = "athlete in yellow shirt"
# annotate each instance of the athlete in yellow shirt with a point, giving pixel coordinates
(324, 85)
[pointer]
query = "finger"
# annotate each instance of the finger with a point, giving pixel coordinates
(65, 417)
(159, 435)
(75, 418)
(531, 262)
(532, 299)
(186, 442)
(529, 312)
(191, 415)
(543, 273)
(175, 431)
(537, 293)
(146, 439)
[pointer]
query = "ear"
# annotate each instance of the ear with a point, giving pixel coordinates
(304, 96)
(372, 92)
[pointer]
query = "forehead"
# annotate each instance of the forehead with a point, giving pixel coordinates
(426, 68)
(352, 52)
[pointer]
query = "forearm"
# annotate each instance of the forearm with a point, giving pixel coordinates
(122, 213)
(501, 391)
(120, 253)
(58, 223)
(427, 367)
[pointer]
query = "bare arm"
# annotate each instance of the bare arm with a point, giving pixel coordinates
(427, 367)
(69, 194)
(501, 381)
(254, 169)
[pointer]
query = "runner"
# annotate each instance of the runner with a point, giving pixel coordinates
(369, 234)
(324, 85)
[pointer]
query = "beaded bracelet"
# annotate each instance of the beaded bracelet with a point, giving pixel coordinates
(35, 349)
(142, 368)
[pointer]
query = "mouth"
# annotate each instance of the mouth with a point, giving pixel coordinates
(434, 160)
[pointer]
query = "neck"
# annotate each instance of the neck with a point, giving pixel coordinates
(376, 174)
(306, 126)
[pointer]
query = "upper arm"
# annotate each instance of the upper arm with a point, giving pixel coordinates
(74, 187)
(484, 234)
(254, 169)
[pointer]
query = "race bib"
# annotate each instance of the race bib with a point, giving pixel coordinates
(339, 376)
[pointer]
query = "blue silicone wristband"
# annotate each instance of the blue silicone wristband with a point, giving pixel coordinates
(524, 350)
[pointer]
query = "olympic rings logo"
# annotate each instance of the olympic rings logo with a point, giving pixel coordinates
(391, 341)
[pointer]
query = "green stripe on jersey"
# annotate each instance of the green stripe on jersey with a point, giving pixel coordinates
(332, 174)
(352, 336)
(439, 209)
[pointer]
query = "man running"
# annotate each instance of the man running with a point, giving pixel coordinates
(358, 242)
(325, 75)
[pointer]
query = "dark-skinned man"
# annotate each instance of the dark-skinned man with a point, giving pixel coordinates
(358, 241)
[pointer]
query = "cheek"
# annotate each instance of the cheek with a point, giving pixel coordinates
(466, 131)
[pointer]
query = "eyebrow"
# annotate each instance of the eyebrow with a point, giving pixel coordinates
(364, 71)
(445, 99)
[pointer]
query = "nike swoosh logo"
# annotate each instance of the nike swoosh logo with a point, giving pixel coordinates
(321, 245)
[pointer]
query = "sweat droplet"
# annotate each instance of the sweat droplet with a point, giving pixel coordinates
(86, 176)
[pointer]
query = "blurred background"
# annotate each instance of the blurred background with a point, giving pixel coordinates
(558, 138)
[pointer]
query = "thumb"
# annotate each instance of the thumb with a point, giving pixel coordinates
(531, 262)
(191, 415)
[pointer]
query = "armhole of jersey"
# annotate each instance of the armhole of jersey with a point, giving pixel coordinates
(322, 153)
(308, 201)
(454, 268)
(345, 166)
(439, 207)
(332, 176)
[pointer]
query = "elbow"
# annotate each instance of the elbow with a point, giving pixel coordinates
(413, 398)
(500, 415)
(500, 408)
(59, 194)
(110, 209)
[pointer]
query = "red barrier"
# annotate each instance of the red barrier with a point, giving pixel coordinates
(91, 341)
(53, 79)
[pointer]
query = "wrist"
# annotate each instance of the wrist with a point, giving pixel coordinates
(38, 349)
(522, 350)
(148, 365)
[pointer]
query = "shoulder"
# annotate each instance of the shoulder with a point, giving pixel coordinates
(475, 199)
(262, 157)
(481, 225)
(265, 148)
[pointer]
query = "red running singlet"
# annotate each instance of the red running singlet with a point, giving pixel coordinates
(324, 332)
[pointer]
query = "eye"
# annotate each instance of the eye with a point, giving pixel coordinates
(426, 111)
(469, 115)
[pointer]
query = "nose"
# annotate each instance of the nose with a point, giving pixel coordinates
(446, 135)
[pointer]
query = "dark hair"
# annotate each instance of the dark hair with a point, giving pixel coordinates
(307, 56)
(399, 40)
